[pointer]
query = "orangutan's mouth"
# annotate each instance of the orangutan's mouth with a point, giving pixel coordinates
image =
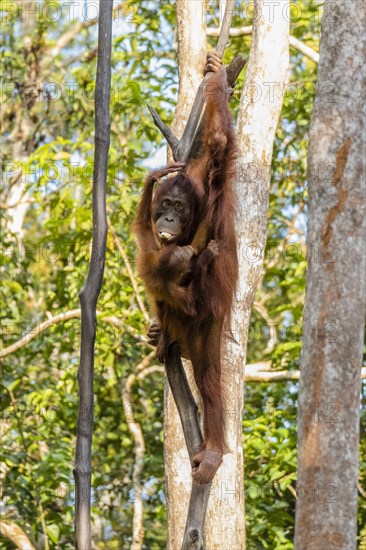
(166, 236)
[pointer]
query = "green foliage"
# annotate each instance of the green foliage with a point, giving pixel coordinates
(44, 268)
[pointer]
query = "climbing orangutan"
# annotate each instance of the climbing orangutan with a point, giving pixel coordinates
(188, 262)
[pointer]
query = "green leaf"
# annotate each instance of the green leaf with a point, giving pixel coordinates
(53, 531)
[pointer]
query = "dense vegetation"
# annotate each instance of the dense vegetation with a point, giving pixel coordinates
(48, 123)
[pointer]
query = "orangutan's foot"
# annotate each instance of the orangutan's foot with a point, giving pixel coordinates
(205, 465)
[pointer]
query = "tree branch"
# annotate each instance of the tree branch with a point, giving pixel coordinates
(36, 331)
(135, 429)
(172, 140)
(189, 144)
(62, 317)
(188, 412)
(304, 49)
(10, 530)
(255, 372)
(294, 42)
(130, 274)
(70, 35)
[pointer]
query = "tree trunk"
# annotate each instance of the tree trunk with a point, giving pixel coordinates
(326, 514)
(90, 292)
(256, 126)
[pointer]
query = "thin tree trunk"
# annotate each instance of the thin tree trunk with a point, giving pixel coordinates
(90, 292)
(329, 399)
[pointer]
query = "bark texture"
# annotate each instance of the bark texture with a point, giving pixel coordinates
(257, 121)
(259, 112)
(191, 37)
(329, 396)
(224, 527)
(90, 292)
